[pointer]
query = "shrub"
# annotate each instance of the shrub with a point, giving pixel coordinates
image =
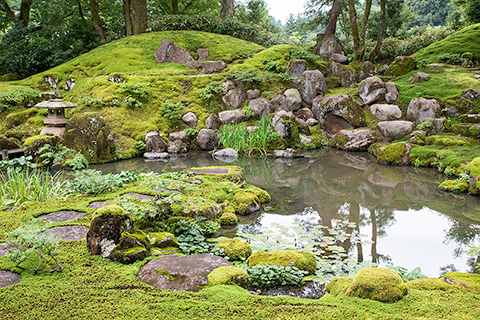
(16, 95)
(93, 181)
(264, 276)
(64, 155)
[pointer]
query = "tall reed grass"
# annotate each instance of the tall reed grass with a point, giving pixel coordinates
(243, 141)
(21, 185)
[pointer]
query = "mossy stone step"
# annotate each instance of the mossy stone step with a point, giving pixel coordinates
(62, 216)
(69, 232)
(8, 278)
(5, 249)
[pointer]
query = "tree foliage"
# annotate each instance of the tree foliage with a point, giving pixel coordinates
(429, 12)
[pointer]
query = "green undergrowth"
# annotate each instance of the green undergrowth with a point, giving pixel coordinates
(446, 83)
(465, 40)
(441, 157)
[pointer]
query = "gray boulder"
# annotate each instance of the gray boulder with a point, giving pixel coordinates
(419, 77)
(154, 143)
(329, 46)
(311, 122)
(203, 53)
(340, 58)
(282, 122)
(207, 139)
(155, 156)
(260, 107)
(312, 85)
(421, 109)
(346, 75)
(190, 119)
(385, 112)
(354, 140)
(372, 90)
(231, 117)
(212, 122)
(225, 153)
(295, 69)
(302, 126)
(169, 52)
(253, 94)
(207, 67)
(395, 130)
(294, 99)
(279, 103)
(304, 114)
(179, 135)
(229, 85)
(177, 146)
(234, 98)
(288, 153)
(392, 93)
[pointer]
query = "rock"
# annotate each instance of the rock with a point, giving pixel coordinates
(346, 75)
(207, 67)
(471, 94)
(385, 112)
(312, 85)
(377, 284)
(9, 143)
(228, 275)
(228, 219)
(231, 117)
(106, 229)
(279, 103)
(162, 240)
(131, 248)
(229, 85)
(69, 84)
(169, 52)
(62, 216)
(234, 98)
(154, 143)
(235, 249)
(438, 126)
(285, 257)
(305, 140)
(51, 82)
(312, 122)
(419, 77)
(401, 65)
(302, 126)
(89, 134)
(392, 93)
(177, 146)
(212, 122)
(295, 68)
(283, 123)
(421, 109)
(340, 58)
(395, 153)
(203, 53)
(288, 153)
(207, 139)
(329, 46)
(190, 119)
(155, 155)
(372, 90)
(395, 130)
(8, 278)
(354, 140)
(34, 147)
(69, 233)
(293, 99)
(337, 112)
(179, 135)
(188, 273)
(304, 114)
(225, 153)
(364, 71)
(52, 131)
(116, 78)
(260, 107)
(253, 94)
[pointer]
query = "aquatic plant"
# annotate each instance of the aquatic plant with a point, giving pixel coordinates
(406, 275)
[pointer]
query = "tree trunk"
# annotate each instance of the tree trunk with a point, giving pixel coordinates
(174, 6)
(8, 11)
(227, 9)
(358, 37)
(135, 16)
(25, 11)
(381, 31)
(96, 21)
(332, 20)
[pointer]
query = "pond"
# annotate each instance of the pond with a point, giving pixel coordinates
(402, 216)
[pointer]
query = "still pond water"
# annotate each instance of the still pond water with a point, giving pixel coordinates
(404, 218)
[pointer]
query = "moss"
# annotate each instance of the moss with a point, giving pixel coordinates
(227, 275)
(401, 66)
(336, 286)
(262, 195)
(431, 284)
(235, 249)
(445, 140)
(454, 157)
(139, 235)
(474, 167)
(454, 186)
(20, 117)
(285, 257)
(111, 210)
(378, 284)
(244, 202)
(234, 174)
(469, 281)
(162, 240)
(333, 82)
(393, 153)
(31, 140)
(228, 219)
(469, 130)
(130, 255)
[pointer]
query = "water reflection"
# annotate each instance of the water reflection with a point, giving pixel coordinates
(409, 222)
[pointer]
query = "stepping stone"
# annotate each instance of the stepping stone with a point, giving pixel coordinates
(5, 248)
(62, 216)
(97, 204)
(210, 170)
(139, 196)
(69, 232)
(8, 278)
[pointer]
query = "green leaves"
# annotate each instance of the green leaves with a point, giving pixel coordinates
(263, 276)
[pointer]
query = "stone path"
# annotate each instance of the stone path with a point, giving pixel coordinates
(97, 204)
(62, 216)
(8, 278)
(4, 249)
(69, 232)
(139, 196)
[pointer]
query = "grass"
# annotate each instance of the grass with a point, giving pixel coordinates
(465, 40)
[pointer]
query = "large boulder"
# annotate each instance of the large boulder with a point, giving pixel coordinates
(304, 114)
(253, 94)
(212, 122)
(312, 85)
(9, 143)
(169, 52)
(401, 65)
(385, 112)
(337, 112)
(154, 143)
(231, 116)
(345, 74)
(177, 146)
(340, 58)
(329, 46)
(188, 273)
(392, 92)
(284, 258)
(89, 134)
(295, 69)
(260, 107)
(354, 140)
(179, 135)
(293, 99)
(207, 67)
(284, 124)
(207, 139)
(234, 98)
(279, 103)
(395, 130)
(372, 90)
(190, 119)
(421, 109)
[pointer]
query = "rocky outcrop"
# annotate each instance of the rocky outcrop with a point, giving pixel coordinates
(169, 52)
(295, 69)
(419, 77)
(207, 139)
(372, 90)
(395, 130)
(207, 67)
(234, 98)
(421, 109)
(354, 140)
(312, 85)
(385, 112)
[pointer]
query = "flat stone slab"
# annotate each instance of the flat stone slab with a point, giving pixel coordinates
(210, 170)
(5, 249)
(69, 232)
(97, 204)
(8, 278)
(62, 216)
(139, 196)
(188, 273)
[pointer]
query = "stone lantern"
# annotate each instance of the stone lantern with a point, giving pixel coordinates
(55, 120)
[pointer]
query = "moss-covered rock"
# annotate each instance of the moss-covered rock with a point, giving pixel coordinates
(450, 141)
(235, 249)
(336, 286)
(139, 235)
(228, 219)
(395, 153)
(232, 173)
(456, 185)
(130, 255)
(378, 284)
(285, 257)
(468, 281)
(431, 284)
(469, 130)
(162, 240)
(111, 210)
(227, 275)
(401, 65)
(35, 143)
(89, 134)
(246, 202)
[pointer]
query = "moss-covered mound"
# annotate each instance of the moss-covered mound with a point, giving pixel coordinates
(227, 275)
(378, 284)
(336, 286)
(235, 249)
(431, 284)
(285, 257)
